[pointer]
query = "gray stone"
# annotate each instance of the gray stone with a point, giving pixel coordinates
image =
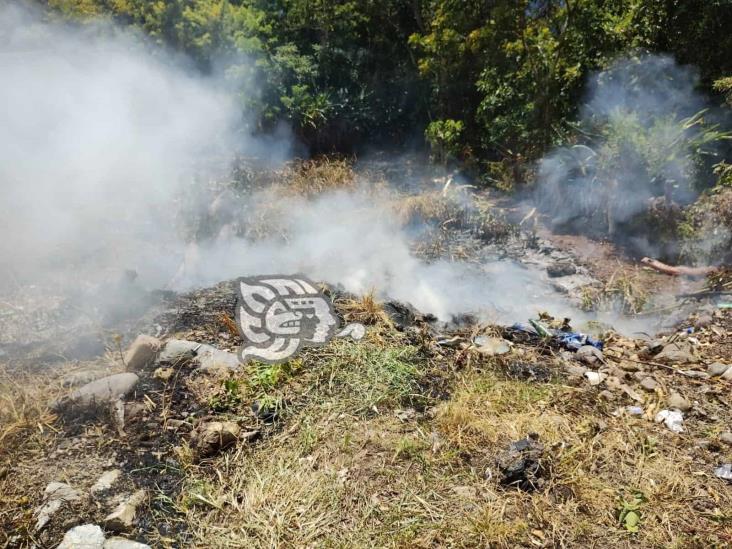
(656, 346)
(678, 352)
(572, 283)
(560, 268)
(106, 481)
(86, 536)
(717, 369)
(141, 353)
(649, 384)
(574, 371)
(122, 519)
(178, 351)
(100, 392)
(74, 379)
(122, 543)
(589, 355)
(211, 437)
(727, 376)
(676, 401)
(726, 438)
(217, 360)
(55, 496)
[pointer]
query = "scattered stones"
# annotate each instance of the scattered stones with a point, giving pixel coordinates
(726, 438)
(673, 419)
(491, 346)
(100, 392)
(649, 384)
(520, 465)
(677, 402)
(122, 519)
(678, 352)
(106, 481)
(211, 437)
(717, 369)
(86, 536)
(141, 353)
(727, 376)
(560, 268)
(587, 354)
(55, 496)
(656, 346)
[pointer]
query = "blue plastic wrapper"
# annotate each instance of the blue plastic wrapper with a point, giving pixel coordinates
(569, 340)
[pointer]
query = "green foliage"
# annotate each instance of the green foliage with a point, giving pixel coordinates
(501, 78)
(444, 138)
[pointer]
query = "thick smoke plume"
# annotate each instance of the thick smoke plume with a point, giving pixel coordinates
(643, 128)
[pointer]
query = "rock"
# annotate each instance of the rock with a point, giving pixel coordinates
(727, 376)
(216, 359)
(649, 384)
(656, 346)
(560, 268)
(678, 352)
(573, 370)
(726, 438)
(704, 320)
(178, 351)
(163, 373)
(106, 481)
(717, 369)
(100, 392)
(209, 438)
(74, 379)
(572, 283)
(607, 395)
(630, 366)
(141, 353)
(122, 543)
(86, 536)
(491, 346)
(122, 519)
(677, 402)
(589, 355)
(520, 464)
(55, 496)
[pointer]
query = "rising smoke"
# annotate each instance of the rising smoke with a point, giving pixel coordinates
(641, 150)
(102, 140)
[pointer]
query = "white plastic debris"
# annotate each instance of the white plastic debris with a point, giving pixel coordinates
(634, 410)
(594, 378)
(724, 471)
(673, 419)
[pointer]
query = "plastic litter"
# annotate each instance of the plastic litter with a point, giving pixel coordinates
(569, 340)
(634, 410)
(724, 305)
(673, 419)
(724, 471)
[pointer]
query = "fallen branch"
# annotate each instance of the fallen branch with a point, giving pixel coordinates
(681, 270)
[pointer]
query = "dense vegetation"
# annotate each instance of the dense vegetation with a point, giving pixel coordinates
(482, 80)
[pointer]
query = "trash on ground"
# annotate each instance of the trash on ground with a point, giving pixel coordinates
(724, 471)
(673, 419)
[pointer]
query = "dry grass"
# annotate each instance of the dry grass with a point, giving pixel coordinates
(624, 292)
(309, 178)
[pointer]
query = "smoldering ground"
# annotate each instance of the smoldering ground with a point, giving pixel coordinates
(103, 138)
(648, 140)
